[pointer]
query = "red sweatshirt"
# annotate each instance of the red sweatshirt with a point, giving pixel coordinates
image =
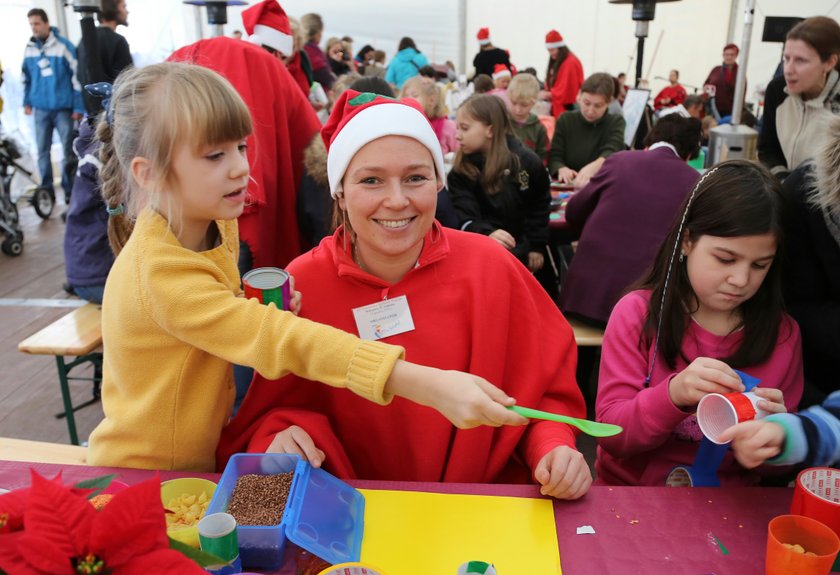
(564, 90)
(674, 94)
(657, 434)
(476, 309)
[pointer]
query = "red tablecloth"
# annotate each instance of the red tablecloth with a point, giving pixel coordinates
(639, 530)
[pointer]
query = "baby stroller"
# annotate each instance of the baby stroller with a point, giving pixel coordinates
(41, 199)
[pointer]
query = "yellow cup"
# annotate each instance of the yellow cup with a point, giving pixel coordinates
(175, 488)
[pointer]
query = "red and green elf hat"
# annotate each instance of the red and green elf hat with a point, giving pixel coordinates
(358, 118)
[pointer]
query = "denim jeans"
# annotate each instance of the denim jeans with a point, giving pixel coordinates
(45, 122)
(91, 293)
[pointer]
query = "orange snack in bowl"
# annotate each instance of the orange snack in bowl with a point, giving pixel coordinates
(101, 500)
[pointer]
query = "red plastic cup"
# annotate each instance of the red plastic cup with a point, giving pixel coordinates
(811, 535)
(718, 412)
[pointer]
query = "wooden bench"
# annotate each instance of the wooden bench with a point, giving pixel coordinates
(40, 452)
(79, 335)
(586, 335)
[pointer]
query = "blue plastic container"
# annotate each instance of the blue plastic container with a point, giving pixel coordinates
(323, 514)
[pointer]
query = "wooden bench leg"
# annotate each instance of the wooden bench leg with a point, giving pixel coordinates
(68, 401)
(64, 379)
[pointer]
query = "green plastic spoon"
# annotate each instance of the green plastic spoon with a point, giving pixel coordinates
(592, 428)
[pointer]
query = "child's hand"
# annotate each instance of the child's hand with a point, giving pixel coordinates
(772, 400)
(295, 440)
(755, 441)
(703, 376)
(504, 238)
(563, 473)
(464, 399)
(296, 299)
(535, 261)
(566, 175)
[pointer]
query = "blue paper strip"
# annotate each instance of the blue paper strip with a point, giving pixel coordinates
(748, 380)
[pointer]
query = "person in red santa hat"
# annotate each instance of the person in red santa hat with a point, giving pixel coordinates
(391, 272)
(269, 27)
(501, 77)
(501, 80)
(489, 56)
(563, 76)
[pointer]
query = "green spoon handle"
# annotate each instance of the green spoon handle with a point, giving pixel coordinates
(592, 428)
(537, 414)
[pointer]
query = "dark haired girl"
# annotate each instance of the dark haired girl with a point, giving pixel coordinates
(711, 302)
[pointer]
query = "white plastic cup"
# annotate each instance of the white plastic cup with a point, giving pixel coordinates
(717, 412)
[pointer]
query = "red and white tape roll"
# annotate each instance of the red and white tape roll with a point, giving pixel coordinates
(817, 495)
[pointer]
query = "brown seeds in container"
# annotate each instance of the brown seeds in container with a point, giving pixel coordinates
(260, 499)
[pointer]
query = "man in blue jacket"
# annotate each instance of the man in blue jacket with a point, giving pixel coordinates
(51, 90)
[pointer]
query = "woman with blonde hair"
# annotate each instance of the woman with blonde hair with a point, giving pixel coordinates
(430, 95)
(175, 179)
(391, 272)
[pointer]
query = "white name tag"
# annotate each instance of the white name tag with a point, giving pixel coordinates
(45, 72)
(383, 319)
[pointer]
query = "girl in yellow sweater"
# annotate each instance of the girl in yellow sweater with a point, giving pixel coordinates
(174, 180)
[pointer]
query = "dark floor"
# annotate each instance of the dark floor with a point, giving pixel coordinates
(29, 390)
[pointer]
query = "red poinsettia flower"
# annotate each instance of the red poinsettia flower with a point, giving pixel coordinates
(13, 505)
(64, 535)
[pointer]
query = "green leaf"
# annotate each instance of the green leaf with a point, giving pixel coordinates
(98, 484)
(203, 558)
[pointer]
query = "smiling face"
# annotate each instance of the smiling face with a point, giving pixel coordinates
(804, 72)
(208, 184)
(473, 135)
(592, 106)
(726, 272)
(390, 194)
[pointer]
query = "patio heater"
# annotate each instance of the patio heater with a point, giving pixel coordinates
(216, 13)
(86, 9)
(731, 141)
(643, 13)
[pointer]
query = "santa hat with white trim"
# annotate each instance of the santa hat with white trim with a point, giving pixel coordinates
(483, 36)
(500, 71)
(267, 25)
(554, 40)
(358, 118)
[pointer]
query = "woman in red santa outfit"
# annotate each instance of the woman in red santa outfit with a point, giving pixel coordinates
(454, 300)
(563, 76)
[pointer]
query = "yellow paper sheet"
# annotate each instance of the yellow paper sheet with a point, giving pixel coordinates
(415, 533)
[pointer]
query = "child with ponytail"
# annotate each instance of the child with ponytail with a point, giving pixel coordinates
(174, 176)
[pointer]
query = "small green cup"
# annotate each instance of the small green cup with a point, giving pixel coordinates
(217, 535)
